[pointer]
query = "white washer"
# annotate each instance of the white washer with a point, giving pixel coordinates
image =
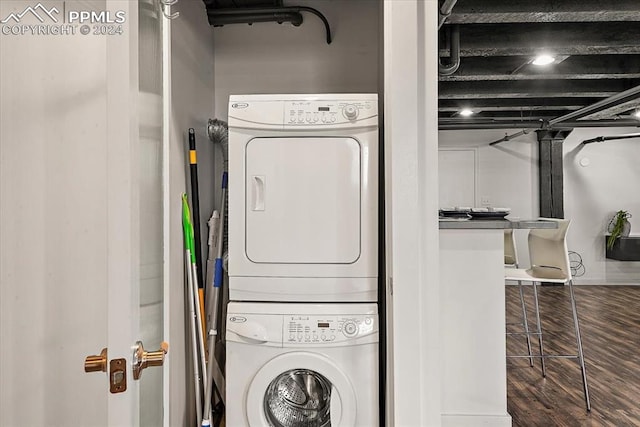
(297, 364)
(303, 197)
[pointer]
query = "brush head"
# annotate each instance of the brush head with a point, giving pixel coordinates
(218, 132)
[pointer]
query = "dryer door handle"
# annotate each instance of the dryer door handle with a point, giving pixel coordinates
(249, 332)
(335, 408)
(259, 183)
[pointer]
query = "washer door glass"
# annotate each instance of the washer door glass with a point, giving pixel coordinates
(301, 389)
(298, 398)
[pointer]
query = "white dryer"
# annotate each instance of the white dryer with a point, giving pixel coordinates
(303, 197)
(296, 364)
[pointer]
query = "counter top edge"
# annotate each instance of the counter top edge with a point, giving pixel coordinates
(499, 224)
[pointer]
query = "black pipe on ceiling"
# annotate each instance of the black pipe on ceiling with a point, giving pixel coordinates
(249, 18)
(454, 53)
(610, 138)
(243, 15)
(488, 124)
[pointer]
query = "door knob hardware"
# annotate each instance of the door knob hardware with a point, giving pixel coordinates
(96, 363)
(143, 359)
(118, 375)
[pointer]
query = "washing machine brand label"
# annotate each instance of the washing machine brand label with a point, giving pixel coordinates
(239, 105)
(237, 319)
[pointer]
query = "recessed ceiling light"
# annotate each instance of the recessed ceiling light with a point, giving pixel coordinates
(466, 112)
(543, 60)
(637, 113)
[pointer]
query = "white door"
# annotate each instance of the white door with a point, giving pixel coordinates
(457, 178)
(81, 212)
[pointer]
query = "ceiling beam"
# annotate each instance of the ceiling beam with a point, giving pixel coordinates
(527, 108)
(573, 68)
(612, 101)
(537, 89)
(519, 11)
(566, 39)
(515, 103)
(617, 110)
(458, 124)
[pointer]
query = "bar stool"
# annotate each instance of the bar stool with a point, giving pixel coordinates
(511, 261)
(550, 263)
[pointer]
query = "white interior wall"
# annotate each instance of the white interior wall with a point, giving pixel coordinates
(593, 193)
(271, 58)
(508, 177)
(191, 106)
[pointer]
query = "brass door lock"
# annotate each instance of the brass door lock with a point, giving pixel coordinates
(96, 363)
(117, 370)
(143, 359)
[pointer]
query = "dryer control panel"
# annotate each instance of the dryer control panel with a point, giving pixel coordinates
(302, 329)
(303, 113)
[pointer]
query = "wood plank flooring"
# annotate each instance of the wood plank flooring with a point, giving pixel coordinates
(610, 326)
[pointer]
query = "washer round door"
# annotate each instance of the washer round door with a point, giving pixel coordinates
(301, 389)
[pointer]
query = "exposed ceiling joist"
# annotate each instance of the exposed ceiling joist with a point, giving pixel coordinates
(614, 111)
(572, 68)
(596, 57)
(535, 89)
(518, 11)
(566, 39)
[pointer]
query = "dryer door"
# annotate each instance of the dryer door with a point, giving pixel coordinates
(303, 200)
(301, 390)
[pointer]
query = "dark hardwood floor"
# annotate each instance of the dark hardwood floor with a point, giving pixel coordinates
(610, 325)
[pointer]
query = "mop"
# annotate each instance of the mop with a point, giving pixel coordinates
(213, 329)
(217, 133)
(195, 224)
(199, 366)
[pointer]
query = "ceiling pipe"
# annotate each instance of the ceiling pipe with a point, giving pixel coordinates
(249, 18)
(610, 138)
(454, 53)
(445, 11)
(218, 17)
(510, 137)
(460, 125)
(609, 102)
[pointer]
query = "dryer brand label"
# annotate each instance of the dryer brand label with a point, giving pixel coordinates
(237, 319)
(239, 105)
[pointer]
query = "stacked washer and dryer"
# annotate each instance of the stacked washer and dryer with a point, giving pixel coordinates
(302, 321)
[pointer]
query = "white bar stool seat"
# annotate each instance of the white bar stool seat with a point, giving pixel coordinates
(550, 263)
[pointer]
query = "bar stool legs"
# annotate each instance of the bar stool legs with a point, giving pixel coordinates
(525, 323)
(538, 332)
(539, 328)
(579, 344)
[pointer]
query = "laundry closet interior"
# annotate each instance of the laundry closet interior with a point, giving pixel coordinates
(303, 299)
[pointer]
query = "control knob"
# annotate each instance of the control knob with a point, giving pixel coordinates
(350, 329)
(350, 111)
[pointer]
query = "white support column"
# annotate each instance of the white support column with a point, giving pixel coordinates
(410, 99)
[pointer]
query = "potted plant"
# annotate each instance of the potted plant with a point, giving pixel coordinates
(618, 226)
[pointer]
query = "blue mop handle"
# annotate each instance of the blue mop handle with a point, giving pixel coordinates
(217, 278)
(224, 180)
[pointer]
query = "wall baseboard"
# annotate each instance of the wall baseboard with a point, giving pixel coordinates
(473, 420)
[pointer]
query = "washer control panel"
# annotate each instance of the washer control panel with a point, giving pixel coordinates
(304, 329)
(305, 113)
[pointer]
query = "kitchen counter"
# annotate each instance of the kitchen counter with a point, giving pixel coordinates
(501, 224)
(472, 319)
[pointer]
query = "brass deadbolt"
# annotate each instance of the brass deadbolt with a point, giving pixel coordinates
(96, 363)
